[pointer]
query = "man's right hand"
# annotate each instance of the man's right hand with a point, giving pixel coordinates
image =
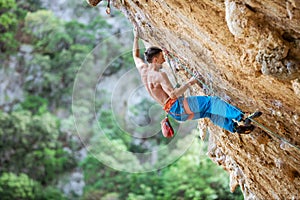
(192, 80)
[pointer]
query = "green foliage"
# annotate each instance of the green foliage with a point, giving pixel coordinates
(7, 4)
(20, 186)
(48, 31)
(60, 48)
(29, 5)
(17, 187)
(53, 78)
(52, 34)
(8, 25)
(50, 193)
(100, 179)
(193, 176)
(94, 195)
(7, 20)
(144, 186)
(37, 105)
(29, 143)
(89, 35)
(108, 125)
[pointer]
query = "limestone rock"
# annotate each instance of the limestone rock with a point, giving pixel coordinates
(249, 53)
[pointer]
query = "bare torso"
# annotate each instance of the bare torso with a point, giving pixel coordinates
(157, 82)
(153, 81)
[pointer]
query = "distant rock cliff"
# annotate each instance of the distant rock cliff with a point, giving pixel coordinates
(249, 52)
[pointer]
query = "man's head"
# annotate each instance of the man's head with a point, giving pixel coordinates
(154, 55)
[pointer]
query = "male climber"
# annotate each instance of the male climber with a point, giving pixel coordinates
(160, 88)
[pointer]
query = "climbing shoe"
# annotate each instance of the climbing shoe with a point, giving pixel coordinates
(254, 115)
(244, 129)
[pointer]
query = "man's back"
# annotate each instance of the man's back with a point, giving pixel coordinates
(153, 81)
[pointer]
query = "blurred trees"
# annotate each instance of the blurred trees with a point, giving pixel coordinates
(8, 26)
(193, 176)
(32, 155)
(29, 5)
(30, 145)
(60, 48)
(17, 187)
(51, 71)
(12, 13)
(20, 186)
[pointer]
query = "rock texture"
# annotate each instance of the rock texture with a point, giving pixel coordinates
(249, 53)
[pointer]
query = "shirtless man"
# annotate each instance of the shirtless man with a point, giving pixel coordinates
(160, 88)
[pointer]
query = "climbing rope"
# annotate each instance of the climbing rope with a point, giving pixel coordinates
(274, 134)
(173, 72)
(169, 54)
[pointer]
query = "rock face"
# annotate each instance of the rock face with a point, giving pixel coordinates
(249, 53)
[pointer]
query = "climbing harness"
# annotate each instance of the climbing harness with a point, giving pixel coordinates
(187, 109)
(174, 57)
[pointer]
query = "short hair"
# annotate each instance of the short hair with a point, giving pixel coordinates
(152, 52)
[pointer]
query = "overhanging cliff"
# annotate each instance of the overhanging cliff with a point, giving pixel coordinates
(249, 52)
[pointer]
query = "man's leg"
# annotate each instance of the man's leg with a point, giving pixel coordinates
(222, 122)
(218, 111)
(207, 105)
(224, 109)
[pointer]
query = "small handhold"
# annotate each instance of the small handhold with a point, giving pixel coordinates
(202, 126)
(279, 163)
(285, 146)
(233, 182)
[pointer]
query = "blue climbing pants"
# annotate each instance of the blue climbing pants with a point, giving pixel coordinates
(218, 111)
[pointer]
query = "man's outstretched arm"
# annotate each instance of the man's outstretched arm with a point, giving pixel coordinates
(136, 50)
(175, 92)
